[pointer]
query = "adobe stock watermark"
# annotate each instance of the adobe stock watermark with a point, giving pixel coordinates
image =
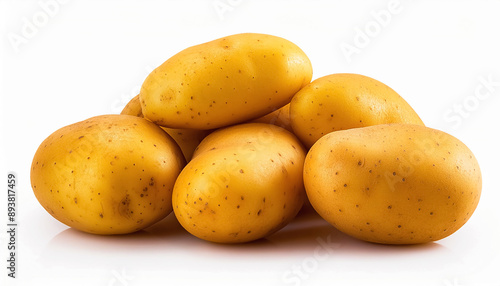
(408, 163)
(372, 29)
(463, 109)
(302, 271)
(222, 7)
(48, 9)
(120, 278)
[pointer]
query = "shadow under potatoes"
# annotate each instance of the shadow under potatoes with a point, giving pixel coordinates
(303, 235)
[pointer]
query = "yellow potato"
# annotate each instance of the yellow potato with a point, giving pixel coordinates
(393, 183)
(243, 183)
(187, 139)
(133, 107)
(279, 117)
(343, 101)
(110, 174)
(226, 81)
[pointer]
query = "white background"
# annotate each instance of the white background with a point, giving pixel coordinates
(65, 62)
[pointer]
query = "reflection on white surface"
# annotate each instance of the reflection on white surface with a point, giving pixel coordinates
(306, 250)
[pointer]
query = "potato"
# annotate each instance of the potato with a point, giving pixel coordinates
(110, 174)
(343, 101)
(279, 117)
(187, 139)
(393, 183)
(226, 81)
(243, 183)
(133, 107)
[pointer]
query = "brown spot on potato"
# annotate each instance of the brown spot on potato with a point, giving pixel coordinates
(123, 208)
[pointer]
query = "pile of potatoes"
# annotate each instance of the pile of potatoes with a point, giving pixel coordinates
(233, 137)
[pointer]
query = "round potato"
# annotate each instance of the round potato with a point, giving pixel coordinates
(393, 183)
(110, 174)
(243, 183)
(187, 139)
(226, 81)
(343, 101)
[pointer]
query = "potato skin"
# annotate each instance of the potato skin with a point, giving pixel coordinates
(187, 139)
(109, 174)
(133, 107)
(243, 183)
(224, 82)
(279, 117)
(343, 101)
(394, 183)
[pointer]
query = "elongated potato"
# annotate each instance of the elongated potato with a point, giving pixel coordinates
(393, 183)
(343, 101)
(109, 174)
(243, 183)
(187, 139)
(225, 81)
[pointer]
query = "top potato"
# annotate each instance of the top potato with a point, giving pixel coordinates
(225, 81)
